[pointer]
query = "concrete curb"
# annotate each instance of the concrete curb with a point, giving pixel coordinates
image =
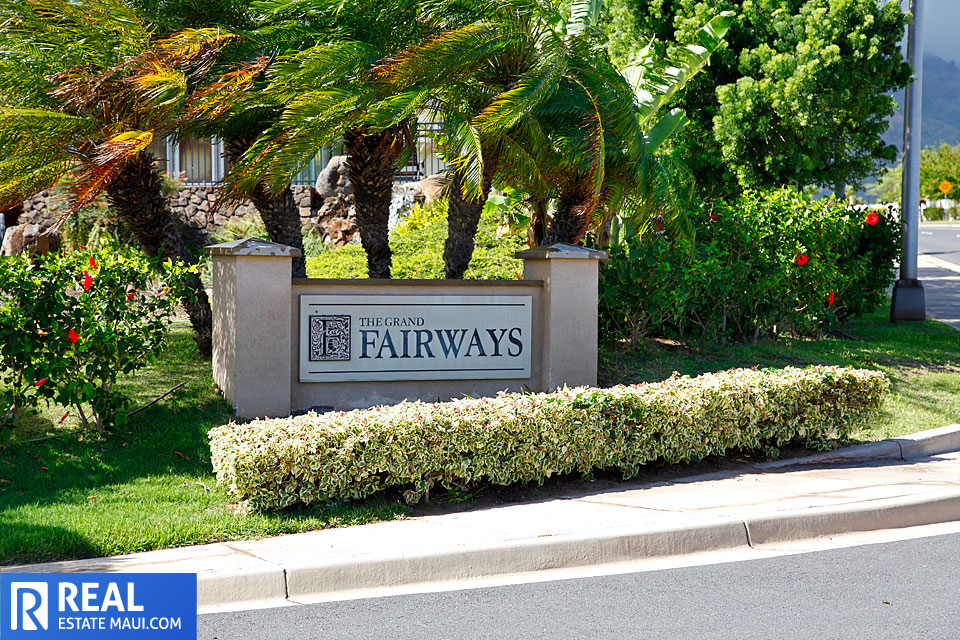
(523, 556)
(930, 443)
(330, 580)
(889, 513)
(929, 261)
(917, 445)
(248, 589)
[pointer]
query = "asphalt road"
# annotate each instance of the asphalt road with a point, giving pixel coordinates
(941, 241)
(906, 589)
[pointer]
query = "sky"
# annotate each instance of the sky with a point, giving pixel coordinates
(940, 28)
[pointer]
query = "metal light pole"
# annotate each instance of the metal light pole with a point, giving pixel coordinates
(908, 303)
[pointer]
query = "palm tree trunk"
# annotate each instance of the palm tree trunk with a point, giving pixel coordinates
(280, 213)
(568, 224)
(463, 217)
(538, 222)
(371, 167)
(137, 197)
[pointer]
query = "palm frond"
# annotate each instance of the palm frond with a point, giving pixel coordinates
(216, 98)
(451, 54)
(584, 15)
(312, 121)
(162, 86)
(198, 47)
(517, 165)
(668, 124)
(20, 126)
(520, 100)
(21, 178)
(109, 160)
(463, 149)
(656, 81)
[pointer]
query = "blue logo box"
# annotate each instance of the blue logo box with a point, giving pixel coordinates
(98, 605)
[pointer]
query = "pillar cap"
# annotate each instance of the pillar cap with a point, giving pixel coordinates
(252, 247)
(561, 251)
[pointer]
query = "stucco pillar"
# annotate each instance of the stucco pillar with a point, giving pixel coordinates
(569, 276)
(251, 319)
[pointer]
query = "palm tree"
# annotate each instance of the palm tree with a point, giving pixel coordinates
(529, 97)
(636, 185)
(223, 48)
(68, 107)
(330, 94)
(491, 65)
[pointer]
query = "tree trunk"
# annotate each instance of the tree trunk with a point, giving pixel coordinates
(840, 190)
(11, 216)
(463, 217)
(568, 225)
(538, 222)
(371, 167)
(138, 199)
(280, 213)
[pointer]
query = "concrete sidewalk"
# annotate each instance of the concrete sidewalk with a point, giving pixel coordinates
(941, 288)
(906, 482)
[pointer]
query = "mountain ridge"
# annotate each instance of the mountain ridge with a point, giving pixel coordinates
(940, 107)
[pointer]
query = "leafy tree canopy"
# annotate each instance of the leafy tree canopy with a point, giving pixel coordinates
(799, 93)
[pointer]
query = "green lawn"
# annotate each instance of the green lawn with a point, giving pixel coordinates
(149, 485)
(922, 361)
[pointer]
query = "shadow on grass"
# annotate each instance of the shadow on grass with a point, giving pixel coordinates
(34, 426)
(162, 440)
(871, 342)
(22, 543)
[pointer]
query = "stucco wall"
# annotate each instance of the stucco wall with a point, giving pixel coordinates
(257, 330)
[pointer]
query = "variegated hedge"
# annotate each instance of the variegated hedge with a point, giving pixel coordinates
(274, 463)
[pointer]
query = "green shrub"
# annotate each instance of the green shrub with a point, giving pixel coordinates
(248, 226)
(522, 437)
(742, 278)
(251, 226)
(866, 254)
(417, 246)
(71, 323)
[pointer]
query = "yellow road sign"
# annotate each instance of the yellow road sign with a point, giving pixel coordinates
(945, 187)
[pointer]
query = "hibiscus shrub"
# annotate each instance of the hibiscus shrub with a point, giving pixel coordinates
(275, 463)
(71, 323)
(767, 264)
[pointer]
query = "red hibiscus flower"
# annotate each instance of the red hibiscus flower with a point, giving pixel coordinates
(39, 382)
(93, 263)
(831, 298)
(802, 259)
(87, 281)
(130, 296)
(73, 335)
(714, 216)
(872, 218)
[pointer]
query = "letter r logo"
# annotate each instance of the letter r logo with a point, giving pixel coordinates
(28, 601)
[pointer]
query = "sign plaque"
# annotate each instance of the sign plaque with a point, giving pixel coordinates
(347, 338)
